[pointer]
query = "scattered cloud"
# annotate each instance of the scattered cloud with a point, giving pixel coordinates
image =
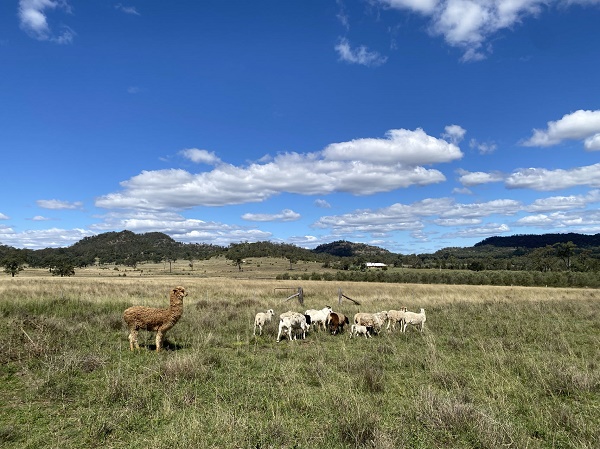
(133, 90)
(581, 125)
(359, 167)
(454, 133)
(34, 20)
(483, 147)
(360, 55)
(542, 179)
(200, 156)
(470, 179)
(284, 215)
(322, 203)
(46, 238)
(4, 217)
(127, 9)
(39, 218)
(469, 24)
(59, 205)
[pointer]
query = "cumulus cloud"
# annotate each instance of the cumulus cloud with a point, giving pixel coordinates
(468, 24)
(46, 238)
(454, 133)
(180, 228)
(284, 215)
(360, 55)
(470, 179)
(200, 156)
(402, 217)
(359, 167)
(34, 20)
(545, 180)
(59, 205)
(401, 146)
(581, 125)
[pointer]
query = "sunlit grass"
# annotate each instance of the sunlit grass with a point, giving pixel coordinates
(495, 367)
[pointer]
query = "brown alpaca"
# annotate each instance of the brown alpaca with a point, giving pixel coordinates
(153, 319)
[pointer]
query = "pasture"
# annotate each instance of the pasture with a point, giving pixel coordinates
(495, 367)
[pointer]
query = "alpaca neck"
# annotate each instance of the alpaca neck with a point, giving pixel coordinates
(176, 308)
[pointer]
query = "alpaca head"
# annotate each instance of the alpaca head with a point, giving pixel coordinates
(177, 294)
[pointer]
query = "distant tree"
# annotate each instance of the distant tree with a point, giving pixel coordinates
(565, 251)
(62, 268)
(12, 264)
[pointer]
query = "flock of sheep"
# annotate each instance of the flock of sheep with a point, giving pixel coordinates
(292, 325)
(295, 325)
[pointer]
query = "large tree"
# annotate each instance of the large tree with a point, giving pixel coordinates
(12, 264)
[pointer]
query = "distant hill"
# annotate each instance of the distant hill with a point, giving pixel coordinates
(539, 241)
(342, 248)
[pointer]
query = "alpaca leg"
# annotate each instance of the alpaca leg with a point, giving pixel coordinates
(159, 337)
(133, 341)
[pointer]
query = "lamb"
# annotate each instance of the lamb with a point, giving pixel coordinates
(357, 329)
(336, 322)
(414, 319)
(154, 319)
(394, 317)
(261, 319)
(319, 317)
(292, 322)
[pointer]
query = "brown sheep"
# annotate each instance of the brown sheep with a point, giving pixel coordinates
(336, 322)
(153, 319)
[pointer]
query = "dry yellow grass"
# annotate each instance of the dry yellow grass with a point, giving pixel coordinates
(152, 290)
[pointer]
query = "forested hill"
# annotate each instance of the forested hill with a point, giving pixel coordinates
(342, 248)
(541, 241)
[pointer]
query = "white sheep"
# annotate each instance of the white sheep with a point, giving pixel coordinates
(292, 322)
(373, 320)
(357, 329)
(261, 319)
(414, 319)
(394, 317)
(318, 318)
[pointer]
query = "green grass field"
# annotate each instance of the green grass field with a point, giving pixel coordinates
(496, 366)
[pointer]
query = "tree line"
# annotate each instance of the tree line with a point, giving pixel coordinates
(554, 254)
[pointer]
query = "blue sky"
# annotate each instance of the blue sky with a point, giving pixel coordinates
(412, 125)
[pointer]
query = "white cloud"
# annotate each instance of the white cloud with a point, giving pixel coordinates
(468, 24)
(470, 179)
(579, 125)
(4, 217)
(454, 133)
(127, 9)
(200, 156)
(486, 230)
(545, 180)
(401, 217)
(401, 146)
(40, 218)
(59, 205)
(181, 228)
(322, 203)
(47, 238)
(421, 6)
(557, 203)
(33, 20)
(359, 167)
(483, 147)
(361, 55)
(284, 215)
